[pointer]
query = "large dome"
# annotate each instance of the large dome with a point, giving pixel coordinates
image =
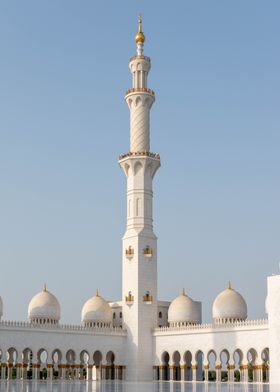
(97, 312)
(229, 306)
(44, 308)
(183, 310)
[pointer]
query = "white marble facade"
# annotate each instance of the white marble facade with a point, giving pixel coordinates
(139, 337)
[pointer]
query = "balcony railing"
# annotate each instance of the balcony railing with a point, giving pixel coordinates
(140, 90)
(140, 154)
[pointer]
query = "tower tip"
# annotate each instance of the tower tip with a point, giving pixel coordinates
(140, 37)
(229, 285)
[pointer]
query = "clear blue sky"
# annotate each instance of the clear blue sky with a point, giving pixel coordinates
(63, 122)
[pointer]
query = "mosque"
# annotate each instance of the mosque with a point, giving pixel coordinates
(140, 338)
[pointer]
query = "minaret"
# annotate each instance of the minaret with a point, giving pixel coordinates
(139, 280)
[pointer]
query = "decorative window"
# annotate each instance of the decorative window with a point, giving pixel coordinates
(147, 251)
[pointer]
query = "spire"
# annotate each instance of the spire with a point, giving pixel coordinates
(183, 291)
(229, 285)
(45, 287)
(140, 37)
(97, 293)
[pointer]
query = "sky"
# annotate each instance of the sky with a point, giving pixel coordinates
(64, 121)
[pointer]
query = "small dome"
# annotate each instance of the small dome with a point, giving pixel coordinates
(97, 312)
(183, 310)
(229, 306)
(44, 308)
(1, 307)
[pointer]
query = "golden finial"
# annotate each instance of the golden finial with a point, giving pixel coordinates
(183, 291)
(97, 293)
(140, 37)
(45, 287)
(229, 285)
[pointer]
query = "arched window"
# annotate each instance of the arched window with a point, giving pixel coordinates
(160, 315)
(120, 315)
(114, 315)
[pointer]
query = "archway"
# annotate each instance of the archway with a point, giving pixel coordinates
(110, 369)
(42, 366)
(27, 359)
(70, 364)
(237, 359)
(97, 362)
(188, 365)
(265, 364)
(224, 358)
(12, 356)
(165, 366)
(199, 357)
(211, 359)
(84, 360)
(252, 358)
(56, 361)
(176, 357)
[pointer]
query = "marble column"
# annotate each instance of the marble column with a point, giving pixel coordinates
(24, 371)
(171, 372)
(18, 371)
(183, 369)
(49, 371)
(230, 369)
(218, 369)
(36, 367)
(89, 371)
(3, 371)
(194, 372)
(10, 371)
(206, 373)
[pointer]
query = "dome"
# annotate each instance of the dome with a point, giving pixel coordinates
(44, 308)
(183, 310)
(97, 312)
(229, 306)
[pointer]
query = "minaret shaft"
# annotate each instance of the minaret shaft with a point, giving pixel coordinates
(139, 277)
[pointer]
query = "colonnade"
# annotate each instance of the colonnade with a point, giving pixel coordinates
(49, 371)
(235, 366)
(58, 364)
(245, 373)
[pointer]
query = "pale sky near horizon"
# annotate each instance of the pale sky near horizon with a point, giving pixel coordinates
(63, 123)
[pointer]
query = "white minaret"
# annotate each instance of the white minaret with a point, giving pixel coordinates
(139, 280)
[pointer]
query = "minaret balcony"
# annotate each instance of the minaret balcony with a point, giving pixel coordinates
(148, 299)
(140, 90)
(129, 253)
(148, 252)
(140, 154)
(129, 299)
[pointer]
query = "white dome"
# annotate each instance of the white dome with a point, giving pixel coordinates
(229, 305)
(1, 307)
(44, 307)
(96, 310)
(183, 310)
